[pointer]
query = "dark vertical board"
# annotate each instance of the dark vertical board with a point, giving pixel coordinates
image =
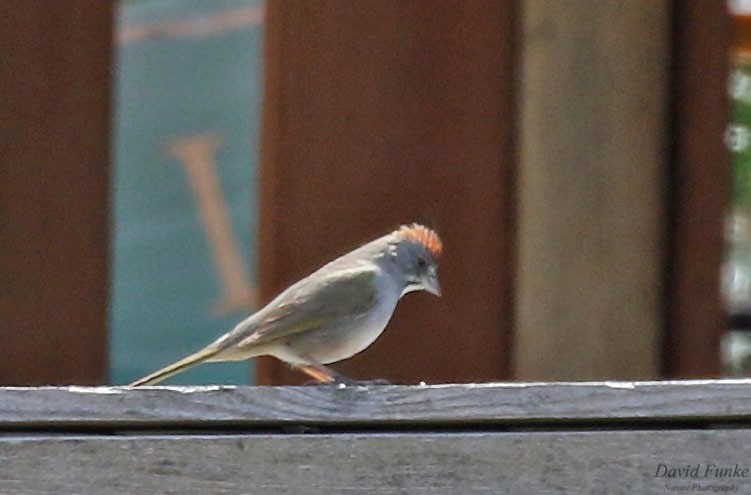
(54, 120)
(700, 188)
(379, 113)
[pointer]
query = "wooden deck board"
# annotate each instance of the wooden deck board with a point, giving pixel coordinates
(378, 406)
(435, 463)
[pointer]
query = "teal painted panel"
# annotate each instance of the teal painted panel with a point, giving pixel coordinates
(187, 116)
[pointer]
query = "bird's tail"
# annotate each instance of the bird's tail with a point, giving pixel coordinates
(179, 366)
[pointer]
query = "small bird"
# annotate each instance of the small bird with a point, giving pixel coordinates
(332, 314)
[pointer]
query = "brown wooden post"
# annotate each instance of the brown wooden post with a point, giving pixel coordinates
(700, 188)
(380, 113)
(54, 122)
(594, 105)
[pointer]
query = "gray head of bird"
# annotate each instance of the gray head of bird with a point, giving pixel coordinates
(413, 253)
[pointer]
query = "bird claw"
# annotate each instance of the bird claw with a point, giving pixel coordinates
(343, 382)
(365, 383)
(349, 382)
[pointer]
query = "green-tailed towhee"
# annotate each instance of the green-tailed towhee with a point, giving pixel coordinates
(332, 314)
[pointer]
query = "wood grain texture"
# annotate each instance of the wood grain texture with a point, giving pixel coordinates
(382, 113)
(488, 463)
(379, 407)
(594, 114)
(55, 102)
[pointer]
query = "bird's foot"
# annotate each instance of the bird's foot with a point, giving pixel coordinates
(342, 381)
(351, 382)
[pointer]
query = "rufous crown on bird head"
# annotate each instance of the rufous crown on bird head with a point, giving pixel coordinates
(423, 235)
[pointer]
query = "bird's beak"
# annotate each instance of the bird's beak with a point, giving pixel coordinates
(431, 285)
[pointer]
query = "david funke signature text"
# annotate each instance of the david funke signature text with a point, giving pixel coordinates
(700, 470)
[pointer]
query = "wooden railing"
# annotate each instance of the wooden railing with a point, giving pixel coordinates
(611, 437)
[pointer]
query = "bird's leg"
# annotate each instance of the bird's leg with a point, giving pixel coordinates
(319, 372)
(324, 374)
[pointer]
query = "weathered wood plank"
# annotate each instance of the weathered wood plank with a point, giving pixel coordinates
(540, 463)
(498, 404)
(593, 101)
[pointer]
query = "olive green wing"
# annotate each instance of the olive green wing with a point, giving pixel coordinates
(309, 305)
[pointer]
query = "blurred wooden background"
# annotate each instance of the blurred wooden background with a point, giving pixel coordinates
(570, 154)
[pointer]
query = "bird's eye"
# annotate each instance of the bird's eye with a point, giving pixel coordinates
(421, 262)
